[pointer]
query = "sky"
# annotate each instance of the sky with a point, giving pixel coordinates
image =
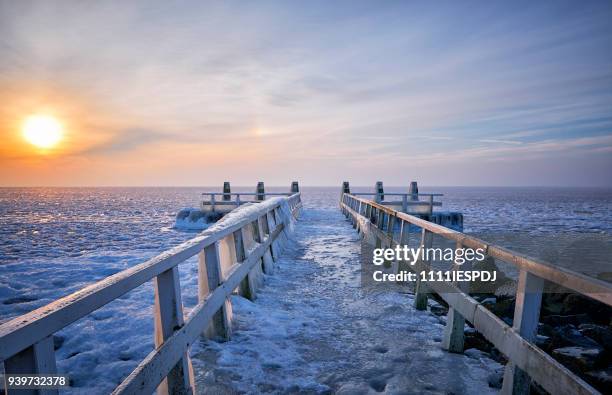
(195, 93)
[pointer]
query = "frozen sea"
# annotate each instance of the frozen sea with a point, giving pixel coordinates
(55, 241)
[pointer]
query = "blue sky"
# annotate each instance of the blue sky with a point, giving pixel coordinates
(193, 93)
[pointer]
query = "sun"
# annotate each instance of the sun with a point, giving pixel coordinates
(43, 131)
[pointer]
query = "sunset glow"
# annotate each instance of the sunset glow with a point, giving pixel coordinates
(43, 131)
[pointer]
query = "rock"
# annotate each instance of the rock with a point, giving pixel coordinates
(487, 287)
(578, 359)
(475, 340)
(490, 301)
(560, 320)
(496, 378)
(562, 302)
(601, 334)
(569, 336)
(544, 342)
(601, 379)
(438, 309)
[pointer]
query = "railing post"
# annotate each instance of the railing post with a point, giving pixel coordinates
(526, 316)
(264, 232)
(271, 226)
(212, 202)
(39, 358)
(209, 278)
(247, 285)
(168, 319)
(405, 203)
(421, 289)
(454, 336)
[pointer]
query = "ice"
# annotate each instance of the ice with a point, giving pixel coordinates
(192, 219)
(312, 329)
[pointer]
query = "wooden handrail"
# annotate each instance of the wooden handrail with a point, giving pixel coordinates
(588, 286)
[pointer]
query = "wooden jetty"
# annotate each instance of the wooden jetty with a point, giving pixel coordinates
(526, 361)
(234, 253)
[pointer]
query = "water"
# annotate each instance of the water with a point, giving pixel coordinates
(46, 232)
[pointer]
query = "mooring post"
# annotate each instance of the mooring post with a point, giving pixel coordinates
(414, 191)
(227, 191)
(168, 319)
(209, 278)
(380, 193)
(454, 337)
(421, 289)
(295, 188)
(260, 191)
(526, 316)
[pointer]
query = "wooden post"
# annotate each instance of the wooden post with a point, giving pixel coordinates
(260, 191)
(227, 191)
(209, 278)
(404, 203)
(421, 291)
(212, 202)
(274, 245)
(39, 358)
(454, 336)
(264, 232)
(414, 191)
(168, 319)
(526, 316)
(380, 193)
(247, 285)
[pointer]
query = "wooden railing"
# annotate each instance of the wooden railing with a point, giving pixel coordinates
(527, 361)
(232, 255)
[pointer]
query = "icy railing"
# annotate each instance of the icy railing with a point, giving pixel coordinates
(526, 360)
(232, 255)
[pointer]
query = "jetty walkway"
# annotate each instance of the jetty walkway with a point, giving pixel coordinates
(312, 329)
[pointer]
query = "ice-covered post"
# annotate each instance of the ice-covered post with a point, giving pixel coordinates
(209, 278)
(453, 340)
(247, 286)
(39, 358)
(421, 291)
(227, 191)
(378, 189)
(345, 189)
(295, 188)
(168, 319)
(526, 316)
(413, 191)
(260, 191)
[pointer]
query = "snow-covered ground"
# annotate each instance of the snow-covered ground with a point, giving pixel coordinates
(313, 329)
